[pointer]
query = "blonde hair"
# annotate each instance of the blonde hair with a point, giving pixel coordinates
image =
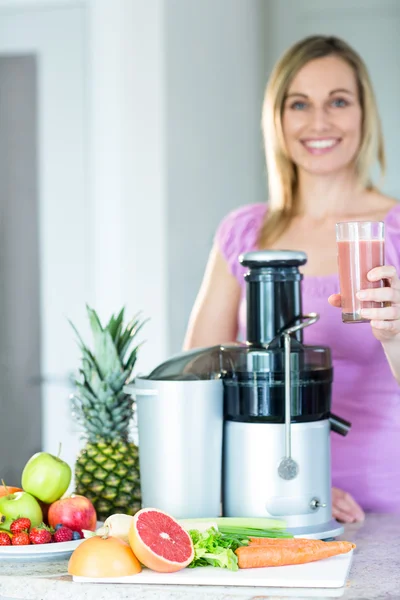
(282, 173)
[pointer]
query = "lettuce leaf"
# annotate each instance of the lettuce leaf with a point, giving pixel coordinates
(214, 548)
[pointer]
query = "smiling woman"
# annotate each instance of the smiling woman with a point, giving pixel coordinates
(320, 118)
(325, 121)
(322, 138)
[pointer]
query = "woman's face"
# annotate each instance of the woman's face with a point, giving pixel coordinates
(322, 117)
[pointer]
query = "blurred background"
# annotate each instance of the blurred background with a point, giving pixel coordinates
(128, 129)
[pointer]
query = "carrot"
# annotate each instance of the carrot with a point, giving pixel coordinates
(288, 552)
(285, 542)
(255, 541)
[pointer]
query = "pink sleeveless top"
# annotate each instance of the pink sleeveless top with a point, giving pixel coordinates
(366, 463)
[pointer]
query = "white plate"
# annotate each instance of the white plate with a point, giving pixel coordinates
(45, 552)
(51, 552)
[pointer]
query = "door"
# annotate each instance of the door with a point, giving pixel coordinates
(45, 236)
(20, 336)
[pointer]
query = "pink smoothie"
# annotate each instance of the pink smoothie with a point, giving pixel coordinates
(355, 260)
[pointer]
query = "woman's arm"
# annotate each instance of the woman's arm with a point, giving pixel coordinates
(214, 318)
(392, 351)
(385, 322)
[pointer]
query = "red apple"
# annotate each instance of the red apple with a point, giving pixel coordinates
(76, 512)
(45, 510)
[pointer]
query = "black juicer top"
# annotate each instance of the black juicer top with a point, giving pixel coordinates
(273, 293)
(255, 389)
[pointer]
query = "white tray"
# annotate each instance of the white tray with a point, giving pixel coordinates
(327, 573)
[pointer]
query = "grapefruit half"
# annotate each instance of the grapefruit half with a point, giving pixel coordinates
(159, 541)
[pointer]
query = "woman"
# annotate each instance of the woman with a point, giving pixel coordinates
(322, 138)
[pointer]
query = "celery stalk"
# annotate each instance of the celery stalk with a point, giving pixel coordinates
(262, 523)
(251, 522)
(246, 532)
(198, 524)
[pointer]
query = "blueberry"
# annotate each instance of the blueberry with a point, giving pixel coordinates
(76, 535)
(58, 526)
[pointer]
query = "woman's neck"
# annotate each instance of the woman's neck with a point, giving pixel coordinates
(323, 196)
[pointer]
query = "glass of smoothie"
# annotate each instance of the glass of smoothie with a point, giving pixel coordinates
(360, 248)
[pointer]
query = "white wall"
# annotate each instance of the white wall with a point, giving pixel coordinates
(176, 89)
(215, 78)
(126, 113)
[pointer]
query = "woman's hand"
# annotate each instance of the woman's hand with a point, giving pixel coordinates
(385, 322)
(345, 508)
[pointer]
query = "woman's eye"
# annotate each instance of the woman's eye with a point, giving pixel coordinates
(298, 105)
(339, 102)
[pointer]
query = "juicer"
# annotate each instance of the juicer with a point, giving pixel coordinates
(243, 429)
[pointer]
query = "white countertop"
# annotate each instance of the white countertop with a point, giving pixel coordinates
(375, 573)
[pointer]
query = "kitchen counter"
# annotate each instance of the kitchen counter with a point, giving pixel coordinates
(375, 574)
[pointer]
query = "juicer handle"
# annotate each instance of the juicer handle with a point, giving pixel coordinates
(339, 425)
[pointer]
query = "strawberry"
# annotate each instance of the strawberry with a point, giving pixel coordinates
(63, 534)
(21, 524)
(40, 535)
(20, 539)
(4, 539)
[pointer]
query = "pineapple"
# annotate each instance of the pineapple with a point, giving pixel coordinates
(107, 468)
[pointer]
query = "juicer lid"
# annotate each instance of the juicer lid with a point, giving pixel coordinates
(200, 363)
(273, 258)
(238, 359)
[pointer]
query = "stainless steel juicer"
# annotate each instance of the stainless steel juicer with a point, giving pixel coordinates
(244, 429)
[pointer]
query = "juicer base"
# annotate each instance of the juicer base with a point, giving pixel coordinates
(324, 531)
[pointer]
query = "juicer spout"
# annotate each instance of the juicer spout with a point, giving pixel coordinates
(339, 425)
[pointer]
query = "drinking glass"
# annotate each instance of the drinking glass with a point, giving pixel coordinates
(360, 248)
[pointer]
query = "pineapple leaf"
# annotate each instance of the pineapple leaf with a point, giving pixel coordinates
(88, 368)
(93, 320)
(106, 355)
(99, 404)
(124, 343)
(117, 336)
(130, 363)
(117, 380)
(107, 358)
(86, 392)
(115, 325)
(124, 350)
(131, 330)
(94, 381)
(77, 334)
(82, 345)
(102, 391)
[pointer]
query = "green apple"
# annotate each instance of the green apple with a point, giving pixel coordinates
(46, 477)
(20, 504)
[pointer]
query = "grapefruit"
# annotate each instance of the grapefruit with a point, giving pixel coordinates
(159, 541)
(103, 557)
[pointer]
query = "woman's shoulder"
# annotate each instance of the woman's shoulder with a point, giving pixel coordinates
(242, 220)
(241, 225)
(392, 218)
(238, 232)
